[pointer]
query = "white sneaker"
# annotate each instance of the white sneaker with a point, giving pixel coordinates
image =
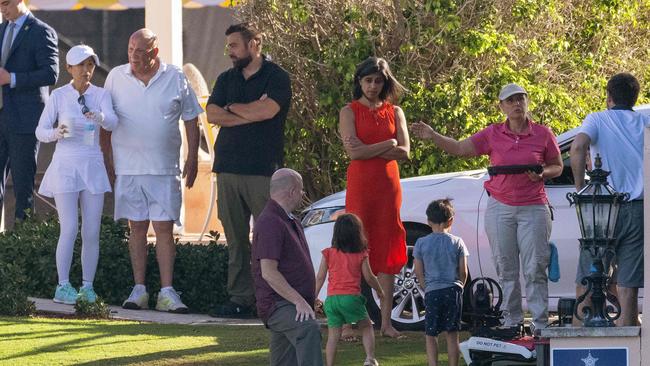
(137, 300)
(169, 300)
(370, 362)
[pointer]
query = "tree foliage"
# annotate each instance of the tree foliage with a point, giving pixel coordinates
(453, 56)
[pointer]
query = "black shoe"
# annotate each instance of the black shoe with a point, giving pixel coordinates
(232, 310)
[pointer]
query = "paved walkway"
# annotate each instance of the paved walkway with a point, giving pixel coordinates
(49, 306)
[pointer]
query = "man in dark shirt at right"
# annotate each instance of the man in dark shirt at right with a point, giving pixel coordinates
(285, 283)
(250, 103)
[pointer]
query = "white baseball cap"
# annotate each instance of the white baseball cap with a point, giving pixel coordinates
(511, 89)
(79, 53)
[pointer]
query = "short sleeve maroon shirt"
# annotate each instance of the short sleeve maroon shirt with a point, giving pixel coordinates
(280, 237)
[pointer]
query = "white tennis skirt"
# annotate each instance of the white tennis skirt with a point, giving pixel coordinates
(72, 173)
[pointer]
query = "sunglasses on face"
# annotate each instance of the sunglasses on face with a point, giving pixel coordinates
(82, 102)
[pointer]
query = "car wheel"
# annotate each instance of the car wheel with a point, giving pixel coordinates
(408, 296)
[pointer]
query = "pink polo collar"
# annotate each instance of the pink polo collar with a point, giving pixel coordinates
(505, 128)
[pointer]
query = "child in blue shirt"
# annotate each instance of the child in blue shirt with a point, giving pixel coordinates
(441, 266)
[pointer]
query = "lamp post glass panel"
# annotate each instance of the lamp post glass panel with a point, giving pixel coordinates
(597, 206)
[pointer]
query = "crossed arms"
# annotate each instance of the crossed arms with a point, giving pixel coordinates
(237, 114)
(391, 149)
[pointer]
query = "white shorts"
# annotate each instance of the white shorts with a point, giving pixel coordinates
(148, 197)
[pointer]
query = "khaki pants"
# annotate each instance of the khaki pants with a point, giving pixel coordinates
(239, 197)
(520, 233)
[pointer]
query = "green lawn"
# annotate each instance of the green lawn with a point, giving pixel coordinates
(47, 341)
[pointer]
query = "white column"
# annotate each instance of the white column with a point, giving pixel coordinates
(165, 18)
(645, 325)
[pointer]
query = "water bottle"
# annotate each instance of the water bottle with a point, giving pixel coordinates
(89, 133)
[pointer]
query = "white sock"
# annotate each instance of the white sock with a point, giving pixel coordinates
(139, 289)
(63, 283)
(87, 284)
(167, 289)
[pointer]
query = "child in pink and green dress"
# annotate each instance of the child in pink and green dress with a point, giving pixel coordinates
(346, 261)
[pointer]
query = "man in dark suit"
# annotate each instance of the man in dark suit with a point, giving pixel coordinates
(29, 62)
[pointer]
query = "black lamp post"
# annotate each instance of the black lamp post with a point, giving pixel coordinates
(597, 206)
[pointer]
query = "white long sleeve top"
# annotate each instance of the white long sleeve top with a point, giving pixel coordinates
(63, 107)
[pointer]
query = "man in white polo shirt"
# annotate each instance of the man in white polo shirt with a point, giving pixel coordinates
(150, 97)
(617, 135)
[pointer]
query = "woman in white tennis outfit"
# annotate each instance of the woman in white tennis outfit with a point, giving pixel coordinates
(77, 176)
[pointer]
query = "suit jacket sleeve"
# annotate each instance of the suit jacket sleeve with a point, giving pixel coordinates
(46, 53)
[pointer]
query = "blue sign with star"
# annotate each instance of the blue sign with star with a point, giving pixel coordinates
(589, 357)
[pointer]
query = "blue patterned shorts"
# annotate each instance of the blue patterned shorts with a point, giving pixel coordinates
(443, 310)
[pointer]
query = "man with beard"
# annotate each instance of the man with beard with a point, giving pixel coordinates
(250, 103)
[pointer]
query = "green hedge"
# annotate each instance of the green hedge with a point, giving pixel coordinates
(13, 297)
(27, 254)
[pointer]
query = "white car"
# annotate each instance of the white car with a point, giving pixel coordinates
(469, 200)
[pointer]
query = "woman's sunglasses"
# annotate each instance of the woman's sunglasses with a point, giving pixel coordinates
(82, 102)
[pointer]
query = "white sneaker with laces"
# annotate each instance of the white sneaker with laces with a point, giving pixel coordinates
(137, 300)
(170, 301)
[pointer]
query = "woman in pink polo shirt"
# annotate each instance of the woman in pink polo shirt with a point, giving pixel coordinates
(517, 218)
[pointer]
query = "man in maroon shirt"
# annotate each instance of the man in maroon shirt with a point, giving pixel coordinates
(284, 276)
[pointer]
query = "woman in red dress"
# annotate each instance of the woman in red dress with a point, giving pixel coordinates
(375, 136)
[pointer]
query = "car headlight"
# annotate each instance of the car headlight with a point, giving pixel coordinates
(321, 215)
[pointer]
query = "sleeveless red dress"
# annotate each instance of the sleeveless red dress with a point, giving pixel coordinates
(374, 193)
